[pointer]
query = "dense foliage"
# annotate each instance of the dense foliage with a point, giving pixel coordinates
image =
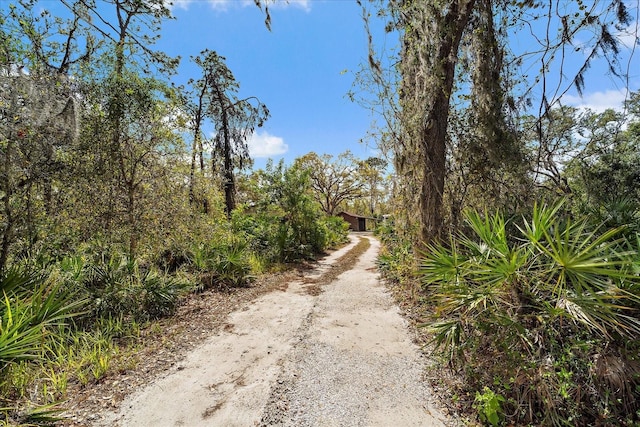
(114, 204)
(534, 308)
(542, 311)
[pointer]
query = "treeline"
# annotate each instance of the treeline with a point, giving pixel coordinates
(115, 202)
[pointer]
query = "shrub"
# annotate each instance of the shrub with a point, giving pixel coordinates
(172, 258)
(538, 314)
(489, 406)
(289, 225)
(222, 265)
(33, 308)
(259, 231)
(119, 287)
(231, 264)
(29, 304)
(397, 259)
(334, 230)
(158, 295)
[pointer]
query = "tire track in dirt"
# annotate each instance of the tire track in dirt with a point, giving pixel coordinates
(355, 363)
(227, 380)
(328, 350)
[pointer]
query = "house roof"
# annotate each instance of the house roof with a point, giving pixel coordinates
(355, 215)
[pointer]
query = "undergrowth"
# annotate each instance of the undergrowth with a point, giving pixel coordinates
(543, 324)
(76, 319)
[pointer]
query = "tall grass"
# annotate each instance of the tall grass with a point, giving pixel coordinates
(32, 309)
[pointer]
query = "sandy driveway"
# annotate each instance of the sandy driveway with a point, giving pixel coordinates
(342, 357)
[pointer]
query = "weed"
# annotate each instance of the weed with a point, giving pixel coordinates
(489, 406)
(100, 366)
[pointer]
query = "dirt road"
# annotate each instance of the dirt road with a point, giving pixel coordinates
(339, 357)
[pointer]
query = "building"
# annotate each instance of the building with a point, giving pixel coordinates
(356, 222)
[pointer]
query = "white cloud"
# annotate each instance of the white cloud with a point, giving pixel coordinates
(629, 36)
(178, 4)
(223, 5)
(263, 145)
(629, 40)
(597, 101)
(220, 4)
(282, 4)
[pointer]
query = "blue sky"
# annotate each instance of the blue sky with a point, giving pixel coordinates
(297, 69)
(602, 89)
(302, 69)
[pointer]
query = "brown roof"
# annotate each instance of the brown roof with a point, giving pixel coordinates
(355, 216)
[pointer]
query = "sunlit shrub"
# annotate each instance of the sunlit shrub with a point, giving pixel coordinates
(548, 318)
(30, 302)
(32, 308)
(335, 231)
(231, 264)
(396, 260)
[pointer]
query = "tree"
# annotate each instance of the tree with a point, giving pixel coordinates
(333, 181)
(38, 119)
(99, 57)
(435, 37)
(122, 98)
(606, 169)
(234, 120)
(128, 173)
(372, 170)
(284, 201)
(431, 40)
(196, 108)
(136, 28)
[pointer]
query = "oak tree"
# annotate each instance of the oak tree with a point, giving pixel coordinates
(333, 180)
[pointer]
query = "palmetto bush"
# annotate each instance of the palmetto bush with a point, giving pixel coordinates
(547, 318)
(119, 287)
(33, 308)
(231, 264)
(31, 304)
(224, 265)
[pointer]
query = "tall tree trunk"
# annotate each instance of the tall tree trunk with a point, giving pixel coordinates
(229, 179)
(133, 223)
(118, 114)
(431, 40)
(227, 173)
(32, 233)
(192, 172)
(7, 231)
(205, 202)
